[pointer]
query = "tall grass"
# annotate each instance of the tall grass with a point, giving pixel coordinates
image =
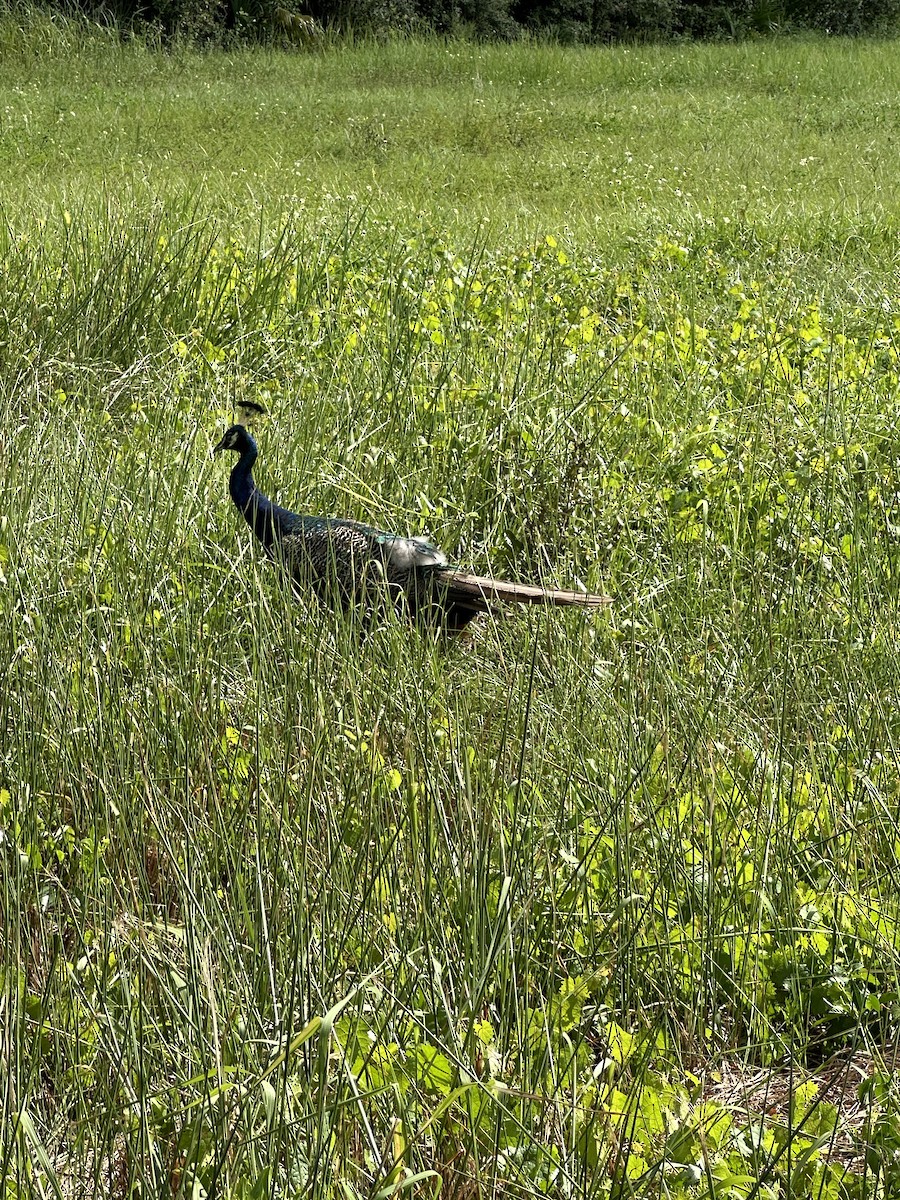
(600, 906)
(290, 910)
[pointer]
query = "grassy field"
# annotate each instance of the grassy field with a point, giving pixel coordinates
(800, 139)
(600, 906)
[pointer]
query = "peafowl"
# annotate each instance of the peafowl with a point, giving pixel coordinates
(349, 563)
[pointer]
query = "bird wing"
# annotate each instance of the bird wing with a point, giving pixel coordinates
(357, 558)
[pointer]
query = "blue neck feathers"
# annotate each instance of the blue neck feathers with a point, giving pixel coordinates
(258, 509)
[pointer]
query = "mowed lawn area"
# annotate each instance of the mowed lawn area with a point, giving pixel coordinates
(588, 904)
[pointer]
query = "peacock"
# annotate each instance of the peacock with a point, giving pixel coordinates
(348, 563)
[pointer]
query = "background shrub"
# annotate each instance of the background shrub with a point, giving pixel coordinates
(566, 21)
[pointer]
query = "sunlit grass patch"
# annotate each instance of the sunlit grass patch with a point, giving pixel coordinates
(533, 887)
(590, 905)
(793, 139)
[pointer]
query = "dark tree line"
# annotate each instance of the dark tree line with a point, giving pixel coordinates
(569, 21)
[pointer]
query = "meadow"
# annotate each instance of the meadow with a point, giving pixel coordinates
(588, 905)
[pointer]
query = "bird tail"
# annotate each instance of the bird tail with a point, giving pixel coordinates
(478, 593)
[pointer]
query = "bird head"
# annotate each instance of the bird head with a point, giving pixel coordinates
(236, 438)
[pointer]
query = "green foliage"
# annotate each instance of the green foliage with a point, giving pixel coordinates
(602, 907)
(250, 816)
(837, 17)
(566, 21)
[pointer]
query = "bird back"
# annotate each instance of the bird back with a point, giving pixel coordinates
(348, 562)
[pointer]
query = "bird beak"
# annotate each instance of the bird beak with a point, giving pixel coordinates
(221, 446)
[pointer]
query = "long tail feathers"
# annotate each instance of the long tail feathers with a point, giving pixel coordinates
(477, 592)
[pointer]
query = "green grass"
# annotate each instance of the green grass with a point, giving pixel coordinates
(799, 138)
(597, 906)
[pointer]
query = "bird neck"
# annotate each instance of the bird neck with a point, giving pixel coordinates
(257, 508)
